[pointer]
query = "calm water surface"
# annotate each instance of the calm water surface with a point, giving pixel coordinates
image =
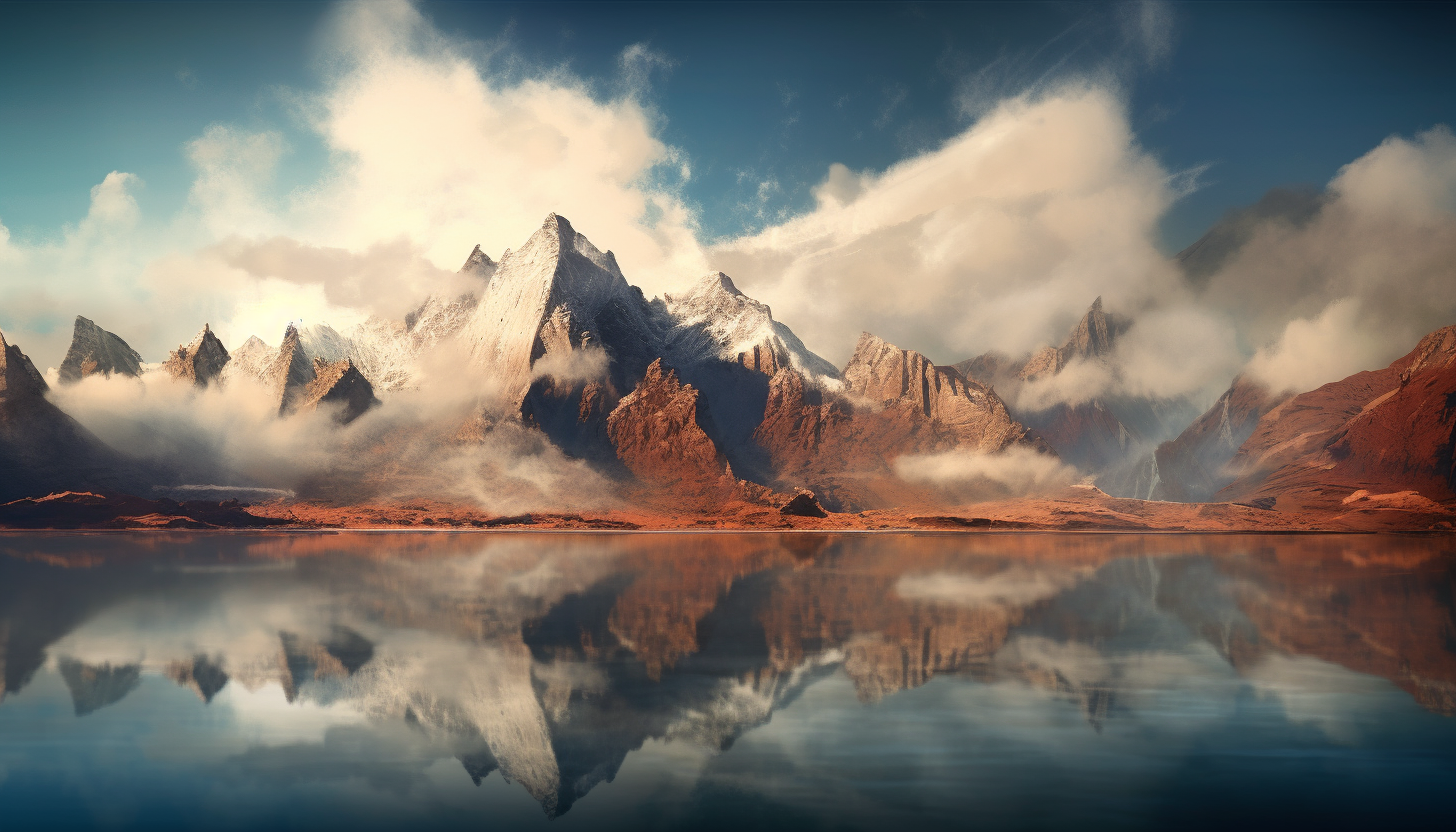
(726, 681)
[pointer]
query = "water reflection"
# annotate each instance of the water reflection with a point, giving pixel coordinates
(372, 677)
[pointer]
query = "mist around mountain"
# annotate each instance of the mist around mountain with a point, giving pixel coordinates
(555, 384)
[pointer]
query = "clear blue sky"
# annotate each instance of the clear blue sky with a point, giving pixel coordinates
(1264, 94)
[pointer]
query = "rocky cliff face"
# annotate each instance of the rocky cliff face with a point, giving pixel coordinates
(1408, 438)
(43, 450)
(843, 445)
(728, 346)
(969, 413)
(658, 432)
(559, 332)
(20, 381)
(95, 351)
(1349, 442)
(338, 385)
(200, 361)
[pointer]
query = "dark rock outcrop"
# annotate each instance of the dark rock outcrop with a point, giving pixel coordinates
(338, 384)
(93, 687)
(199, 361)
(95, 351)
(43, 450)
(803, 504)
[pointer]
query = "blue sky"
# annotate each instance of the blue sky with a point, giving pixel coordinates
(1263, 94)
(955, 178)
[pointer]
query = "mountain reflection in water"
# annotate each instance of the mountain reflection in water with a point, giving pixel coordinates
(863, 681)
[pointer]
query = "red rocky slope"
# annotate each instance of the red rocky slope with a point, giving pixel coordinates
(1382, 432)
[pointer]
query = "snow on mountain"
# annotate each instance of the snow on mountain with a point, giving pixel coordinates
(388, 352)
(556, 295)
(323, 341)
(715, 321)
(250, 360)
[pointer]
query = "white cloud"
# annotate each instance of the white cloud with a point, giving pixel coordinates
(1356, 286)
(430, 145)
(1015, 586)
(999, 239)
(1327, 348)
(1015, 471)
(234, 172)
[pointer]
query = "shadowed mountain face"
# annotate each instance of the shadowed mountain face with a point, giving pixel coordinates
(553, 660)
(43, 450)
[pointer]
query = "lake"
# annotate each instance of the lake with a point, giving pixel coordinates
(725, 681)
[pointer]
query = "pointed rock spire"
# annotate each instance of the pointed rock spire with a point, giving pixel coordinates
(1093, 336)
(95, 351)
(479, 264)
(558, 284)
(200, 361)
(290, 372)
(19, 379)
(658, 432)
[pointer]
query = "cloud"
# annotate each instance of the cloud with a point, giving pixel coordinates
(1016, 586)
(1149, 25)
(1016, 471)
(1313, 352)
(388, 279)
(637, 63)
(999, 239)
(1355, 285)
(234, 170)
(431, 144)
(408, 448)
(1169, 351)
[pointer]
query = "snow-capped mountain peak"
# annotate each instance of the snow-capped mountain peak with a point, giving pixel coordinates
(713, 320)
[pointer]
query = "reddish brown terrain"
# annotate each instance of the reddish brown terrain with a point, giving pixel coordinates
(658, 435)
(1378, 438)
(896, 402)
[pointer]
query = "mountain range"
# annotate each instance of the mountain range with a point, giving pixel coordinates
(702, 405)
